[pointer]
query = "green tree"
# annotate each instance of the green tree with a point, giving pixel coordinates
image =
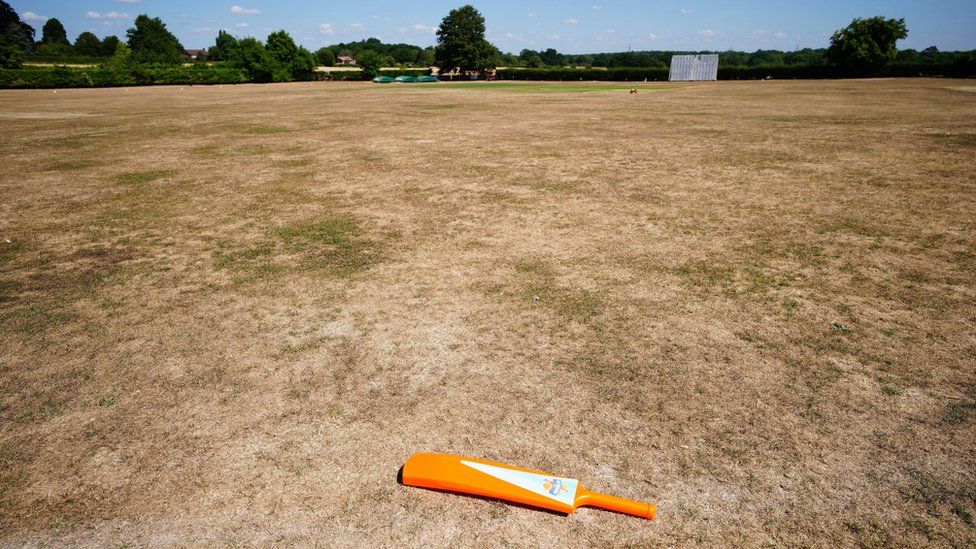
(109, 45)
(281, 47)
(303, 66)
(552, 58)
(121, 58)
(461, 42)
(370, 62)
(223, 48)
(54, 33)
(88, 44)
(325, 57)
(867, 43)
(426, 57)
(253, 59)
(23, 38)
(530, 59)
(291, 62)
(11, 47)
(150, 42)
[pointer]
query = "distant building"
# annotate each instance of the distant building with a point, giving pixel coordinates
(197, 54)
(345, 60)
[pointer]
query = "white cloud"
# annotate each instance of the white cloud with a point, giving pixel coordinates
(684, 11)
(109, 15)
(513, 36)
(208, 29)
(357, 26)
(652, 36)
(31, 16)
(756, 33)
(552, 37)
(238, 10)
(530, 14)
(710, 33)
(597, 7)
(423, 28)
(326, 28)
(779, 35)
(610, 31)
(242, 25)
(571, 21)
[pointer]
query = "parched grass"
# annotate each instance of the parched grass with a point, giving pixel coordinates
(550, 87)
(141, 178)
(266, 130)
(537, 282)
(72, 165)
(750, 307)
(957, 139)
(334, 246)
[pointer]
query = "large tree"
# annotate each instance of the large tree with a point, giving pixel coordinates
(9, 17)
(88, 44)
(253, 59)
(293, 62)
(369, 62)
(150, 42)
(53, 33)
(867, 43)
(461, 43)
(109, 45)
(325, 57)
(223, 47)
(11, 46)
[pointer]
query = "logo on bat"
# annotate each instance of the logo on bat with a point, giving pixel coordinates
(554, 486)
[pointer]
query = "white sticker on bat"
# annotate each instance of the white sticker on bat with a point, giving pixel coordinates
(560, 489)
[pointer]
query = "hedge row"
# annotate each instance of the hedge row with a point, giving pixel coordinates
(956, 70)
(65, 59)
(103, 77)
(147, 75)
(613, 75)
(336, 76)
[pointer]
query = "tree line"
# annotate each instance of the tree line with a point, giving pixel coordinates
(867, 45)
(149, 42)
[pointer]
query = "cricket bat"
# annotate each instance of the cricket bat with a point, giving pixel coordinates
(488, 479)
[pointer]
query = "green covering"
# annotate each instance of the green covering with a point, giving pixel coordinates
(428, 79)
(404, 78)
(382, 80)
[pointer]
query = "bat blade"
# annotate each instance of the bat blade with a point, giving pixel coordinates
(467, 475)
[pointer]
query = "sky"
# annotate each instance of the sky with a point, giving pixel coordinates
(570, 26)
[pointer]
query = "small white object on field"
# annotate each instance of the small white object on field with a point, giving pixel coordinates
(7, 241)
(536, 298)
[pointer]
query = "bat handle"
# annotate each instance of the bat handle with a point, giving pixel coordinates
(613, 503)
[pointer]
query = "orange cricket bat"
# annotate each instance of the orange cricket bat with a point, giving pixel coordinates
(479, 477)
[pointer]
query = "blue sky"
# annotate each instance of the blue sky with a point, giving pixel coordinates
(570, 26)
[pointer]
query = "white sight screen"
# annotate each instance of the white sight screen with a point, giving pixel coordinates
(687, 68)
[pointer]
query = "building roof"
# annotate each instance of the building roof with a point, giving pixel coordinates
(196, 52)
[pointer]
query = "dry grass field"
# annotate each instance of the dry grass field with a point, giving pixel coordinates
(229, 314)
